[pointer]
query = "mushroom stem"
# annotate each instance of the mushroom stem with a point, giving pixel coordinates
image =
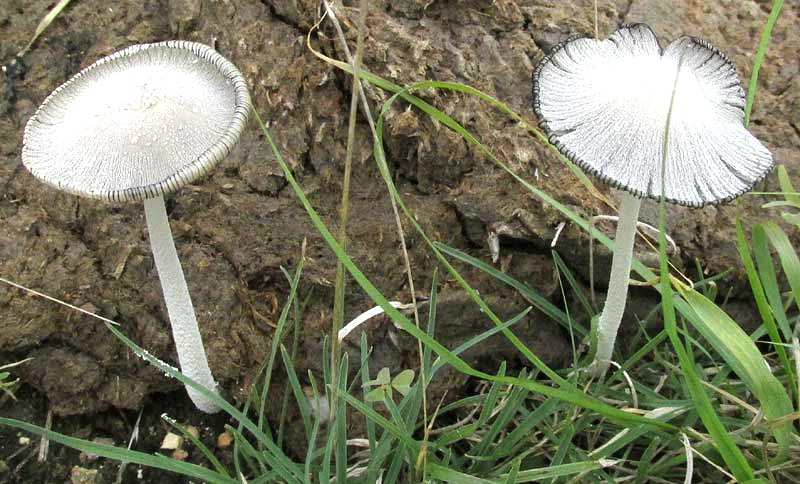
(617, 295)
(185, 332)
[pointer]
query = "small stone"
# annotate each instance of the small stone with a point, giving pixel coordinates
(80, 475)
(172, 442)
(179, 454)
(192, 430)
(224, 440)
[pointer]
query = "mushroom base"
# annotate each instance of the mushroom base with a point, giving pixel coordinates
(611, 317)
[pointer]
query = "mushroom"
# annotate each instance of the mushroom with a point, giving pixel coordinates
(614, 106)
(138, 125)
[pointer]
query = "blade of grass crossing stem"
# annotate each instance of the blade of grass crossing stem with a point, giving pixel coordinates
(122, 454)
(275, 456)
(763, 44)
(730, 453)
(764, 308)
(568, 394)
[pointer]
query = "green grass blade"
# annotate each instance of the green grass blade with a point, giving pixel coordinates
(277, 338)
(514, 400)
(763, 305)
(390, 426)
(790, 193)
(576, 288)
(340, 424)
(372, 469)
(538, 301)
(769, 280)
(787, 255)
(312, 441)
(297, 390)
(478, 338)
(741, 354)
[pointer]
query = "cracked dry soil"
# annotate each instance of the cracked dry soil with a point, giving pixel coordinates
(235, 229)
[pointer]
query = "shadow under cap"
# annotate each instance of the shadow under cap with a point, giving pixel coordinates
(604, 105)
(140, 123)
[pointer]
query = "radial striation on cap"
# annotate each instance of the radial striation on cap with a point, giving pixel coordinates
(139, 123)
(605, 104)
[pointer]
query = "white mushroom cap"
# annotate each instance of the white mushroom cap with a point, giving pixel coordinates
(139, 123)
(605, 105)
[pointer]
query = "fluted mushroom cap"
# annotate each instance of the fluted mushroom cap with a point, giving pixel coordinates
(605, 104)
(139, 123)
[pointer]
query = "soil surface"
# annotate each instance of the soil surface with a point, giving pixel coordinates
(238, 227)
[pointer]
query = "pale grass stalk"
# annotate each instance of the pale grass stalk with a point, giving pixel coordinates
(398, 222)
(58, 301)
(687, 446)
(344, 209)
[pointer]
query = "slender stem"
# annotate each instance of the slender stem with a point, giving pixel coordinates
(617, 295)
(185, 332)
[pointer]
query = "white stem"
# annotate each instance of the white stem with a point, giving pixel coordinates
(188, 342)
(617, 295)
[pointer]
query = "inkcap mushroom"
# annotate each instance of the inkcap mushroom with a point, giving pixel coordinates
(609, 105)
(135, 126)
